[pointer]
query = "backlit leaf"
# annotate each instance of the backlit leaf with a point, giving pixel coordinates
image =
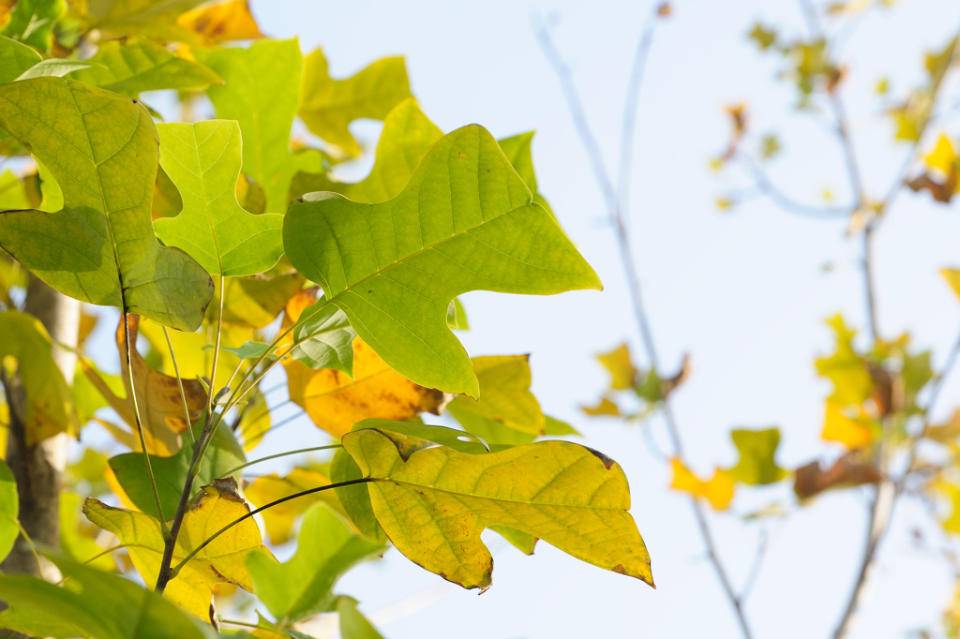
(952, 277)
(845, 368)
(223, 21)
(466, 221)
(102, 150)
(222, 561)
(854, 431)
(9, 510)
(203, 161)
(505, 395)
(48, 408)
(77, 538)
(718, 490)
(434, 503)
(329, 105)
(279, 520)
(15, 58)
(757, 451)
(134, 67)
(32, 22)
(619, 365)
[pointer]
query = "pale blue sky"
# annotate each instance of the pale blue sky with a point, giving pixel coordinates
(744, 293)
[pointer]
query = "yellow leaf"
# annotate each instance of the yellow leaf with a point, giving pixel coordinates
(434, 503)
(221, 22)
(943, 156)
(952, 277)
(620, 366)
(845, 367)
(279, 520)
(161, 405)
(222, 561)
(604, 407)
(718, 490)
(838, 426)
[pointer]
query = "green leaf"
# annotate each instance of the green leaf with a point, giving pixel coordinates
(223, 454)
(15, 58)
(327, 547)
(328, 106)
(73, 542)
(353, 625)
(203, 161)
(256, 301)
(48, 408)
(757, 464)
(139, 17)
(92, 604)
(9, 510)
(355, 498)
(327, 338)
(434, 503)
(102, 150)
(53, 68)
(134, 67)
(261, 89)
(466, 221)
(32, 22)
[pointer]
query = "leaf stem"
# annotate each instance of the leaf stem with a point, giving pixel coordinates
(316, 489)
(183, 394)
(138, 423)
(216, 349)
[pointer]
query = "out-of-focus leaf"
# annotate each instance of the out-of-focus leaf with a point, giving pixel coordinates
(560, 492)
(76, 540)
(280, 519)
(220, 22)
(407, 254)
(15, 58)
(9, 510)
(255, 421)
(327, 547)
(223, 455)
(619, 365)
(757, 450)
(718, 490)
(847, 471)
(261, 88)
(203, 161)
(328, 105)
(134, 67)
(605, 407)
(256, 301)
(103, 154)
(845, 367)
(952, 277)
(221, 561)
(32, 22)
(48, 405)
(138, 17)
(92, 604)
(505, 396)
(353, 625)
(854, 431)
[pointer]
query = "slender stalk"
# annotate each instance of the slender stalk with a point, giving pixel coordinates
(138, 422)
(183, 394)
(310, 491)
(616, 201)
(285, 453)
(216, 350)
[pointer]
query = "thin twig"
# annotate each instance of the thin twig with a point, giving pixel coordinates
(183, 394)
(628, 262)
(285, 453)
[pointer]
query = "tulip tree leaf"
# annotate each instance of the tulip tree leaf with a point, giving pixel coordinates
(505, 396)
(353, 625)
(326, 548)
(102, 150)
(329, 105)
(222, 561)
(757, 464)
(139, 17)
(134, 67)
(466, 221)
(15, 58)
(48, 407)
(32, 21)
(77, 608)
(434, 503)
(261, 89)
(203, 161)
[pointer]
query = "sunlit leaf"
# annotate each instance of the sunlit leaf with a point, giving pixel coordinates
(845, 367)
(77, 537)
(203, 160)
(279, 520)
(353, 625)
(138, 17)
(434, 503)
(620, 367)
(222, 561)
(505, 396)
(9, 510)
(32, 22)
(223, 21)
(466, 221)
(718, 490)
(329, 105)
(952, 277)
(757, 462)
(852, 431)
(15, 58)
(134, 67)
(102, 150)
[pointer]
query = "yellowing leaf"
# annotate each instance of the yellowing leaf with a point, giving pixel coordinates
(952, 277)
(846, 369)
(838, 426)
(757, 450)
(718, 490)
(943, 156)
(434, 503)
(221, 22)
(161, 405)
(26, 349)
(328, 105)
(619, 365)
(222, 561)
(505, 395)
(335, 401)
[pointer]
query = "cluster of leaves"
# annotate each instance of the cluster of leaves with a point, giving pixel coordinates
(229, 246)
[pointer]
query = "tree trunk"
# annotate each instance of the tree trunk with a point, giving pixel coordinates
(38, 469)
